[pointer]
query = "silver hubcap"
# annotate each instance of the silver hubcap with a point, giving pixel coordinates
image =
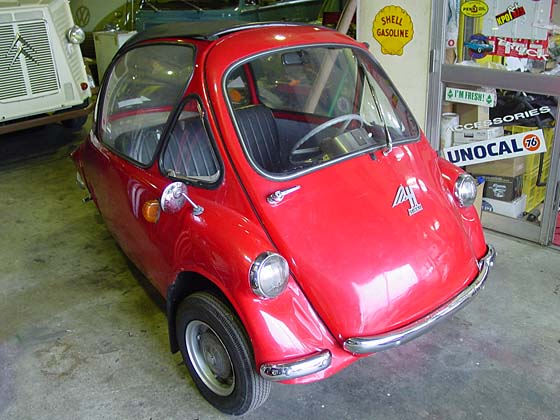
(209, 357)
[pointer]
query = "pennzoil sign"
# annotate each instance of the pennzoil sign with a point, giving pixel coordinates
(499, 148)
(474, 8)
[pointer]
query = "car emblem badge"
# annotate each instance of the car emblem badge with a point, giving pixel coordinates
(21, 47)
(407, 194)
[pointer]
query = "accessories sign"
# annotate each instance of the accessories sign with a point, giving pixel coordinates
(506, 147)
(519, 116)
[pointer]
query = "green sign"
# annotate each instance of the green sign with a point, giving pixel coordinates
(472, 97)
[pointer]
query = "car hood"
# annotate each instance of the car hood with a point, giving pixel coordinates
(369, 255)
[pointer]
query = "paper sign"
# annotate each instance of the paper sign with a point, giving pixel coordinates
(471, 97)
(520, 48)
(517, 19)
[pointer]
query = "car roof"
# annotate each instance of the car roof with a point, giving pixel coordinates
(208, 30)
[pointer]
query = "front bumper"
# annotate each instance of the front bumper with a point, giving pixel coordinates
(373, 344)
(296, 368)
(328, 361)
(36, 121)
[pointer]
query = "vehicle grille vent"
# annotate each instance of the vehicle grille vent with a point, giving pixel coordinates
(11, 75)
(42, 73)
(26, 59)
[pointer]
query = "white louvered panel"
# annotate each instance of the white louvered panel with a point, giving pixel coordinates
(40, 67)
(6, 17)
(12, 81)
(27, 66)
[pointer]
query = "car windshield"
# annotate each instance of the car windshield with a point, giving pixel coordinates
(157, 5)
(303, 108)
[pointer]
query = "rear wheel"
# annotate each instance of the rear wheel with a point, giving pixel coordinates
(75, 123)
(218, 355)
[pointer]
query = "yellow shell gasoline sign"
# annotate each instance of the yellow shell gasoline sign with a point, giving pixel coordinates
(393, 29)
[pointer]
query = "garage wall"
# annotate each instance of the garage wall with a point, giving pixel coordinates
(408, 71)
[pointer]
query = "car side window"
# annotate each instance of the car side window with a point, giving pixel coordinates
(189, 153)
(238, 88)
(144, 87)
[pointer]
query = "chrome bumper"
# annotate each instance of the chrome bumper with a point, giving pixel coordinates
(362, 345)
(296, 368)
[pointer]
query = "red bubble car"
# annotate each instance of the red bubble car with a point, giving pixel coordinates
(274, 187)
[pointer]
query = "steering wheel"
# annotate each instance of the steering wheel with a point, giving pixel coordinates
(296, 148)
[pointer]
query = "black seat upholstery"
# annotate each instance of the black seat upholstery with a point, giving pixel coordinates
(139, 145)
(260, 135)
(189, 151)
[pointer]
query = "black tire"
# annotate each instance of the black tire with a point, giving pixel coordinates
(220, 360)
(75, 124)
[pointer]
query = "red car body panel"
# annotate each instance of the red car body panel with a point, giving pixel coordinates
(395, 268)
(280, 329)
(339, 229)
(303, 225)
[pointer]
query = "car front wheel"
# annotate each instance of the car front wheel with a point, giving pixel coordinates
(216, 351)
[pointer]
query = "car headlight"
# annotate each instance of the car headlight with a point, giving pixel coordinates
(465, 190)
(75, 35)
(269, 275)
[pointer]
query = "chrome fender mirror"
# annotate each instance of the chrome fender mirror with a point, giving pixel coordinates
(175, 196)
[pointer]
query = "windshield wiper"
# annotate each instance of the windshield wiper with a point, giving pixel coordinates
(379, 109)
(388, 138)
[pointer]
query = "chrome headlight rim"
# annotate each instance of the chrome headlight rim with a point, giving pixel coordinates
(260, 263)
(75, 35)
(465, 190)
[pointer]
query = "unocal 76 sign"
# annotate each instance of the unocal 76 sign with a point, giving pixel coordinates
(499, 148)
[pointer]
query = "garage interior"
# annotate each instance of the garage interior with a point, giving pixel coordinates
(84, 335)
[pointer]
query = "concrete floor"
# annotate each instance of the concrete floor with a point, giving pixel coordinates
(83, 336)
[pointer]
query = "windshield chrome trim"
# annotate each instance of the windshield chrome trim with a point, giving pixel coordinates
(280, 177)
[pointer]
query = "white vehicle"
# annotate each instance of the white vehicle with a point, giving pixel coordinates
(43, 78)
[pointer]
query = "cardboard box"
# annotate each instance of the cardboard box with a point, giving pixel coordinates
(476, 134)
(471, 113)
(505, 167)
(503, 188)
(478, 200)
(514, 208)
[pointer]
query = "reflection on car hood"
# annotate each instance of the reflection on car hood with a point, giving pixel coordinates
(373, 243)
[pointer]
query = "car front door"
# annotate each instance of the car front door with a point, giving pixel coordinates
(137, 105)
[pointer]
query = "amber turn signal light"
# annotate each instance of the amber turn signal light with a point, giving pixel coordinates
(150, 211)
